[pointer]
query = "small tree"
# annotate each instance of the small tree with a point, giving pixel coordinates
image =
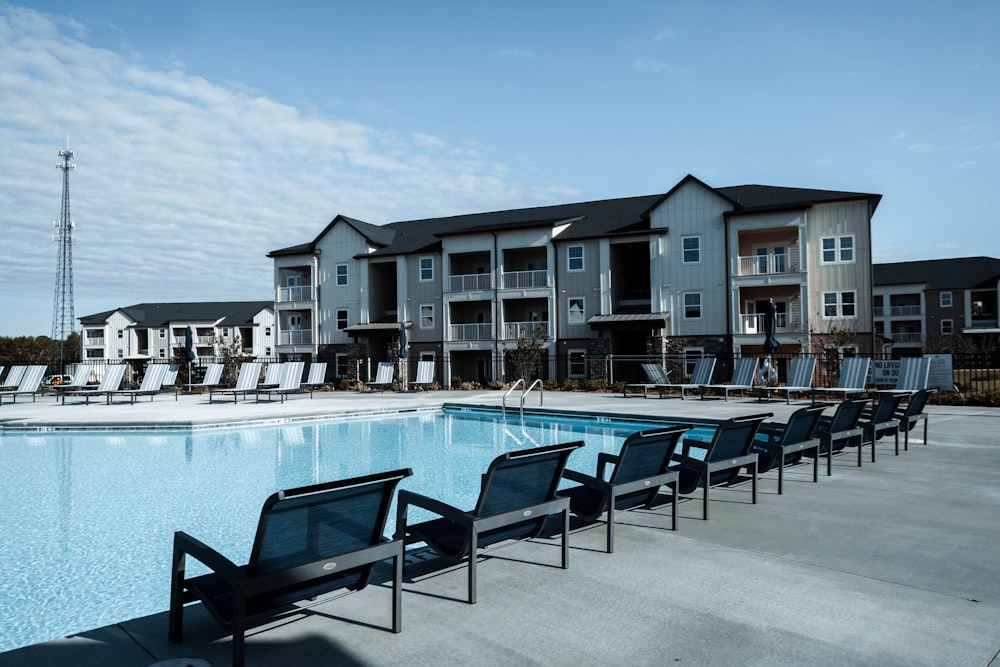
(526, 358)
(231, 354)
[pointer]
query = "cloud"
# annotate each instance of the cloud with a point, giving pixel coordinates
(919, 147)
(183, 185)
(650, 65)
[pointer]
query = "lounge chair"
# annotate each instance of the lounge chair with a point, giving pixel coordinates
(640, 469)
(657, 378)
(724, 456)
(273, 373)
(80, 380)
(880, 420)
(110, 381)
(743, 375)
(913, 374)
(13, 379)
(317, 377)
(309, 541)
(425, 375)
(836, 431)
(517, 494)
(212, 379)
(152, 383)
(30, 384)
(290, 383)
(383, 376)
(780, 444)
(853, 378)
(700, 376)
(912, 413)
(800, 380)
(246, 382)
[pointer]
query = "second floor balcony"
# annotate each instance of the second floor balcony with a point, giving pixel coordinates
(753, 323)
(295, 337)
(898, 311)
(469, 282)
(763, 265)
(515, 330)
(294, 293)
(525, 279)
(474, 331)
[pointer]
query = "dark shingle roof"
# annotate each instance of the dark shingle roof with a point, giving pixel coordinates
(940, 274)
(230, 313)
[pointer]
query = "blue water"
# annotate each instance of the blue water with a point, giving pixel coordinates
(87, 518)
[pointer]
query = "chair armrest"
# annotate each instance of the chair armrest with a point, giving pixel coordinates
(205, 554)
(406, 498)
(685, 459)
(773, 430)
(603, 459)
(586, 480)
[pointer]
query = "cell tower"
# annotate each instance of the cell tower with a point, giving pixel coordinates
(63, 320)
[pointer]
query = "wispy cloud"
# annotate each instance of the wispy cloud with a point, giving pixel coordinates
(651, 65)
(518, 54)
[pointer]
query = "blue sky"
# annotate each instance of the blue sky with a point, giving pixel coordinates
(207, 134)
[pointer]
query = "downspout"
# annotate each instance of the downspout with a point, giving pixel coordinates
(729, 288)
(496, 309)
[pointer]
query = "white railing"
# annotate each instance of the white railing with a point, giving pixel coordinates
(469, 282)
(760, 265)
(906, 337)
(93, 341)
(525, 279)
(208, 340)
(753, 323)
(477, 331)
(295, 293)
(295, 338)
(515, 330)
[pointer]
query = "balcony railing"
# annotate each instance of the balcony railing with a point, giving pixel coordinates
(515, 330)
(93, 341)
(525, 279)
(295, 338)
(897, 311)
(469, 282)
(762, 265)
(296, 293)
(477, 331)
(906, 337)
(753, 323)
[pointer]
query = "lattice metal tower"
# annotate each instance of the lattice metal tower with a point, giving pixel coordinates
(63, 320)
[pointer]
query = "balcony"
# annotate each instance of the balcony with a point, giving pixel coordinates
(295, 338)
(525, 279)
(296, 293)
(753, 323)
(94, 341)
(906, 337)
(469, 282)
(765, 265)
(898, 311)
(515, 330)
(476, 331)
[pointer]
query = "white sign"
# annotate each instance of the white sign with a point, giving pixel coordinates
(942, 375)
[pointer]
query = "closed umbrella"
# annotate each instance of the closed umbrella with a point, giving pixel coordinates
(767, 371)
(189, 353)
(403, 354)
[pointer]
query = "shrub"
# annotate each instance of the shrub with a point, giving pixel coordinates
(569, 384)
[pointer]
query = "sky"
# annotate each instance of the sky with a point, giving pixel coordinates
(209, 134)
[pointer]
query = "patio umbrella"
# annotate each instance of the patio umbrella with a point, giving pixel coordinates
(767, 371)
(189, 353)
(403, 354)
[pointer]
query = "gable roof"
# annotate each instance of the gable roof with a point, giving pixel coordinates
(940, 274)
(374, 234)
(225, 313)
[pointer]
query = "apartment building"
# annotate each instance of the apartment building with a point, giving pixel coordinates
(922, 306)
(687, 271)
(155, 331)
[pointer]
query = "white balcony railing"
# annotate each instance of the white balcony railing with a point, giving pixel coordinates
(525, 279)
(906, 337)
(296, 293)
(295, 338)
(93, 341)
(469, 282)
(477, 331)
(762, 265)
(753, 323)
(515, 330)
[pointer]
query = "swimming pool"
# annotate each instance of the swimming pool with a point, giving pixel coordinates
(88, 517)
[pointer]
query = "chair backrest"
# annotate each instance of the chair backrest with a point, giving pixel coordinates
(703, 368)
(81, 375)
(918, 400)
(292, 377)
(312, 523)
(846, 416)
(734, 437)
(745, 369)
(800, 372)
(647, 453)
(32, 379)
(523, 478)
(385, 372)
(1, 373)
(153, 379)
(317, 373)
(112, 378)
(274, 373)
(249, 375)
(213, 374)
(425, 372)
(655, 373)
(885, 408)
(913, 373)
(14, 376)
(854, 373)
(170, 376)
(801, 425)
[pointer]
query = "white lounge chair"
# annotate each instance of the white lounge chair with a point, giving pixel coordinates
(700, 376)
(246, 382)
(425, 374)
(383, 376)
(110, 381)
(152, 382)
(853, 378)
(81, 380)
(272, 376)
(290, 382)
(913, 374)
(800, 379)
(13, 379)
(317, 377)
(743, 375)
(30, 384)
(213, 376)
(657, 378)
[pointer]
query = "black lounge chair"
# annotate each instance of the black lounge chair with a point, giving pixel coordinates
(879, 421)
(728, 452)
(781, 444)
(640, 469)
(310, 540)
(836, 431)
(913, 413)
(517, 495)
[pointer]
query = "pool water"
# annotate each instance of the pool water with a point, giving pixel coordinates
(88, 517)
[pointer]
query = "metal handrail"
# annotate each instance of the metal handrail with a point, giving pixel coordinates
(541, 393)
(503, 409)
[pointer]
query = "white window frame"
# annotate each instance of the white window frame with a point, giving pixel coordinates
(838, 305)
(340, 278)
(695, 250)
(163, 353)
(833, 250)
(576, 363)
(945, 300)
(571, 260)
(569, 310)
(426, 271)
(947, 327)
(420, 310)
(684, 304)
(163, 333)
(691, 357)
(341, 320)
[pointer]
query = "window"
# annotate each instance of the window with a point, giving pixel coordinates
(295, 322)
(947, 327)
(692, 306)
(340, 365)
(691, 249)
(121, 354)
(163, 353)
(840, 304)
(163, 333)
(945, 300)
(576, 312)
(426, 269)
(341, 319)
(267, 331)
(574, 258)
(95, 354)
(838, 250)
(427, 316)
(121, 333)
(341, 275)
(576, 363)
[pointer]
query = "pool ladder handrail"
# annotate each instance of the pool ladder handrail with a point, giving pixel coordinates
(503, 409)
(541, 393)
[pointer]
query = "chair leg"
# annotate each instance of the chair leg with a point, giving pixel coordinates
(175, 625)
(781, 474)
(565, 538)
(473, 552)
(704, 511)
(673, 503)
(816, 466)
(397, 590)
(610, 546)
(753, 484)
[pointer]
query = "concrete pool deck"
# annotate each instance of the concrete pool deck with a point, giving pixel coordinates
(894, 563)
